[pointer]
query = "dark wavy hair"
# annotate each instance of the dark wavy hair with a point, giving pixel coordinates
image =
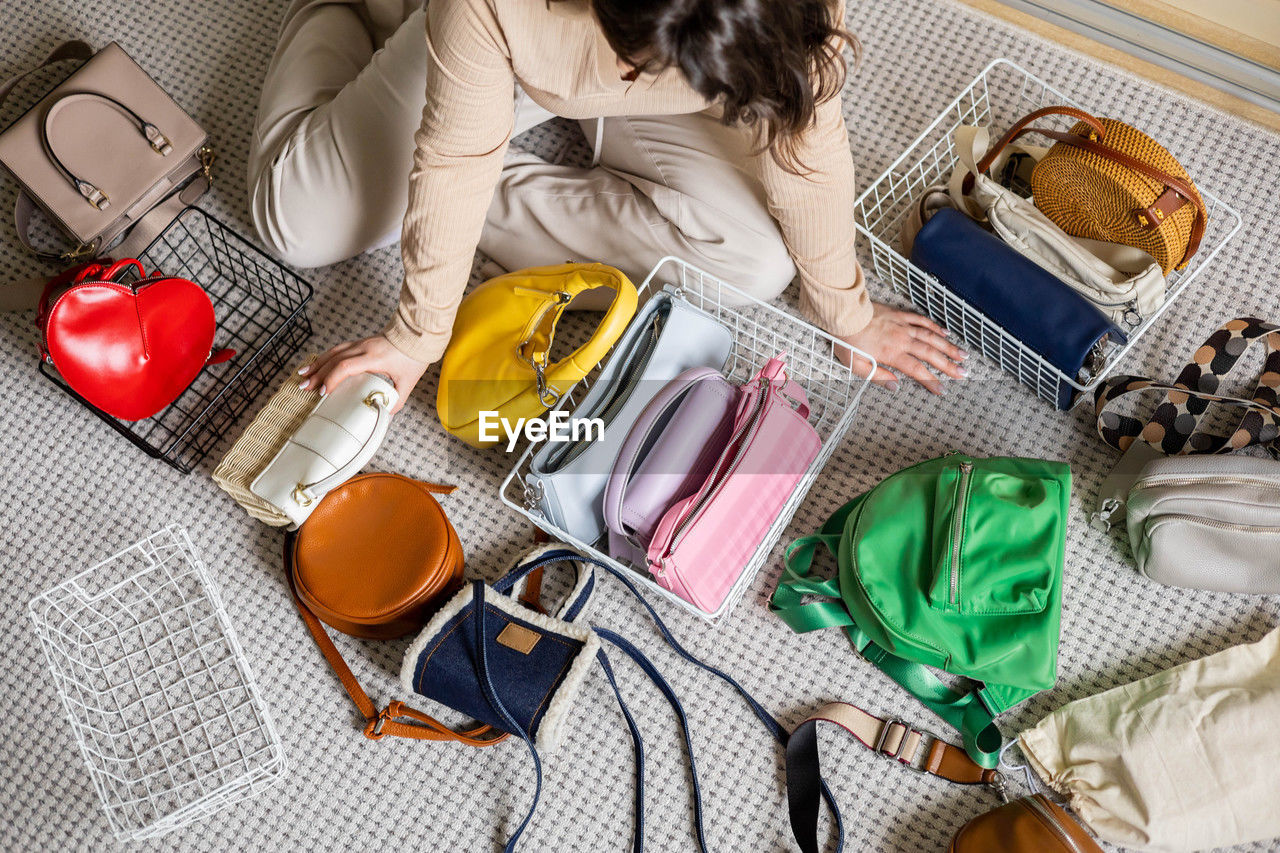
(769, 63)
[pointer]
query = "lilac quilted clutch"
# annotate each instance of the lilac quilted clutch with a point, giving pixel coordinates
(666, 457)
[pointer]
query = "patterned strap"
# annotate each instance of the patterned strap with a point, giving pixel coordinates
(1175, 426)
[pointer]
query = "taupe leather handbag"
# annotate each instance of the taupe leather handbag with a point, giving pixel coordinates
(107, 150)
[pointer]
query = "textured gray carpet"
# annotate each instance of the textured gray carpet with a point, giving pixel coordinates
(71, 492)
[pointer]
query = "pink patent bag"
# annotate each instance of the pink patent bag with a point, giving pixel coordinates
(704, 542)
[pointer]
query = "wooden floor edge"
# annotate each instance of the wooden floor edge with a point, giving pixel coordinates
(1142, 68)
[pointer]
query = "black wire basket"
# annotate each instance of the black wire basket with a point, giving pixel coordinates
(260, 307)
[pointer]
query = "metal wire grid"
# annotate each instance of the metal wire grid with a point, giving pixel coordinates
(1000, 95)
(760, 332)
(156, 688)
(260, 310)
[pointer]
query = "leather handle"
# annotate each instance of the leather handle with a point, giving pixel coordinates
(379, 724)
(76, 275)
(1022, 126)
(119, 267)
(91, 192)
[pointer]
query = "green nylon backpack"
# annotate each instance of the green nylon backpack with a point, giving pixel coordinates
(954, 563)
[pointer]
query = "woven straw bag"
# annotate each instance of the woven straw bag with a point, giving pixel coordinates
(1106, 180)
(271, 428)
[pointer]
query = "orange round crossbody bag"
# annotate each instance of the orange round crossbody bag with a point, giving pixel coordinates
(1106, 180)
(375, 559)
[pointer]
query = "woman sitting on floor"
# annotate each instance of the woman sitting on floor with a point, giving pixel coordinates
(718, 138)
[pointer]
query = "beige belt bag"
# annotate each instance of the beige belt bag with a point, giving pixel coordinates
(101, 153)
(1187, 759)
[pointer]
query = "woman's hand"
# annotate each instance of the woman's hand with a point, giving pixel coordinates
(908, 343)
(371, 355)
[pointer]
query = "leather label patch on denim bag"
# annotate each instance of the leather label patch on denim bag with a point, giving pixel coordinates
(519, 638)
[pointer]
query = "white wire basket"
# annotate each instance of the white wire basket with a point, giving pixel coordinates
(760, 332)
(999, 96)
(156, 688)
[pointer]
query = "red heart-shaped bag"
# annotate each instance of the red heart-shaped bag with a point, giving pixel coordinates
(128, 349)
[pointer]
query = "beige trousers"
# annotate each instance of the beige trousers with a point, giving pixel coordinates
(333, 145)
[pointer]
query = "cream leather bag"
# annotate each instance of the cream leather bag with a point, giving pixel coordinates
(1123, 282)
(301, 446)
(103, 152)
(1205, 522)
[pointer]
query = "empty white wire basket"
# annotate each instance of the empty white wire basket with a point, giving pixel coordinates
(156, 688)
(1001, 94)
(760, 332)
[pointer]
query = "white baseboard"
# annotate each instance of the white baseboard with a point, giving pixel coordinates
(1158, 44)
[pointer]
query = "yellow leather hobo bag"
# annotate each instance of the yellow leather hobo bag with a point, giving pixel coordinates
(498, 359)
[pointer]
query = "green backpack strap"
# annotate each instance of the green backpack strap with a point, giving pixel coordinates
(962, 710)
(797, 581)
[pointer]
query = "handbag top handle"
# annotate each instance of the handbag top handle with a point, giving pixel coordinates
(157, 140)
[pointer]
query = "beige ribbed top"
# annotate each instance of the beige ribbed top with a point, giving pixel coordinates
(477, 51)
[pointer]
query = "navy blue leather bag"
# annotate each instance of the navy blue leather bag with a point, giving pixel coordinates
(489, 656)
(1026, 300)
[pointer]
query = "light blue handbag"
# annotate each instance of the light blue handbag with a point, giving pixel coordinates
(667, 337)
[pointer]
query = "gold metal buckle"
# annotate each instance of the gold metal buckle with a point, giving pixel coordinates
(376, 399)
(207, 157)
(84, 250)
(302, 496)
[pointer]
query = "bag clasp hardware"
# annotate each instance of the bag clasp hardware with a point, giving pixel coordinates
(207, 157)
(373, 729)
(1101, 520)
(158, 141)
(1000, 787)
(84, 250)
(884, 738)
(548, 395)
(921, 751)
(532, 495)
(93, 195)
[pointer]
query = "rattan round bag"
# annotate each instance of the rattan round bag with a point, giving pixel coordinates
(1106, 180)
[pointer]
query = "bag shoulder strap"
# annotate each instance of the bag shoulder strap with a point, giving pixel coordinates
(1174, 428)
(963, 710)
(774, 727)
(629, 649)
(379, 724)
(918, 749)
(71, 49)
